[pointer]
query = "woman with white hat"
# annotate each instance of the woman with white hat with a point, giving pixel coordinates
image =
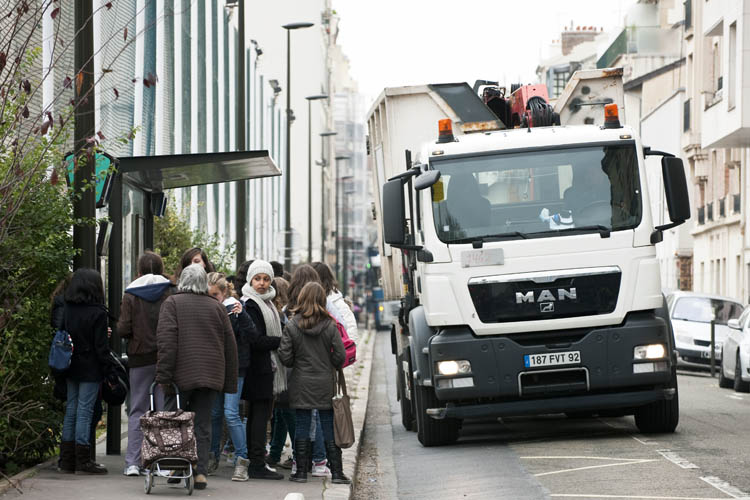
(265, 376)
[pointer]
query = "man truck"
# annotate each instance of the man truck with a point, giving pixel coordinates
(519, 239)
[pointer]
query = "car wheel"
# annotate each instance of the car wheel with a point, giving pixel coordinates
(660, 416)
(739, 385)
(724, 382)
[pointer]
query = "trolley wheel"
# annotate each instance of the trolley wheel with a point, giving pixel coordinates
(189, 482)
(148, 482)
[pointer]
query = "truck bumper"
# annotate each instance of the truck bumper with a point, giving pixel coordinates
(501, 384)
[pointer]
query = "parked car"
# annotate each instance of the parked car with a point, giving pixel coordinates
(691, 315)
(735, 357)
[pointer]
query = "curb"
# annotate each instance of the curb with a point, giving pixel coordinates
(360, 392)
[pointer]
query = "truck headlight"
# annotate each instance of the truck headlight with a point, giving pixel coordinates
(453, 367)
(651, 351)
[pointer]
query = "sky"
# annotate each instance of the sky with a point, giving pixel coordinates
(392, 43)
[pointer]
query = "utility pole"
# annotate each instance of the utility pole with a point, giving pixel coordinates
(84, 207)
(241, 186)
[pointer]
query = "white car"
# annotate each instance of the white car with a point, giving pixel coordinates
(735, 360)
(691, 314)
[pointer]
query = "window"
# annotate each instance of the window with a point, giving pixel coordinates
(732, 65)
(561, 78)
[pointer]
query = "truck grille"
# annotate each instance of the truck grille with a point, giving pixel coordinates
(557, 294)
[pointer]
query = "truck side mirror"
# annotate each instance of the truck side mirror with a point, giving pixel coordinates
(675, 187)
(426, 179)
(394, 225)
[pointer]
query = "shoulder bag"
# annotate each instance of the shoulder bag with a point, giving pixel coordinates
(343, 426)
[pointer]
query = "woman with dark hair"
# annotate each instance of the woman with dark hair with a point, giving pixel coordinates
(240, 277)
(85, 319)
(139, 317)
(312, 347)
(335, 301)
(195, 256)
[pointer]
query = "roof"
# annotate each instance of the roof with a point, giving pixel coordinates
(580, 53)
(157, 173)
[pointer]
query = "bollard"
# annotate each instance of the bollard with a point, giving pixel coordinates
(713, 350)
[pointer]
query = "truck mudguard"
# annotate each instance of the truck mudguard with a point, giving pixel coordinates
(419, 338)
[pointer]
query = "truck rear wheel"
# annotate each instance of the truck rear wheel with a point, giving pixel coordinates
(407, 413)
(432, 432)
(660, 416)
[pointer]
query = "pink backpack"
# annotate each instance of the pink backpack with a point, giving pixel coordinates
(349, 346)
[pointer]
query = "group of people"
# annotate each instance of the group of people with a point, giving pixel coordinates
(258, 336)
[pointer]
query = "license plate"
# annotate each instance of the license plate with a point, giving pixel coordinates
(552, 359)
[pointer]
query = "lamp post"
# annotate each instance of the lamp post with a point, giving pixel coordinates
(345, 237)
(323, 164)
(310, 99)
(338, 208)
(288, 185)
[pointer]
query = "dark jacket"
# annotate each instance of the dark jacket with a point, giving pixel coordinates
(259, 383)
(58, 312)
(195, 343)
(87, 326)
(139, 317)
(314, 355)
(243, 327)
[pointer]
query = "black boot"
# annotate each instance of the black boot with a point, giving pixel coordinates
(336, 465)
(301, 456)
(84, 465)
(67, 462)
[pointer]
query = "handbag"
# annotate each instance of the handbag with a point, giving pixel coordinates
(60, 352)
(116, 383)
(343, 426)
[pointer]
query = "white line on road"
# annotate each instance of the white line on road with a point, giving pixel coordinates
(735, 396)
(581, 457)
(629, 461)
(676, 459)
(725, 487)
(578, 495)
(647, 443)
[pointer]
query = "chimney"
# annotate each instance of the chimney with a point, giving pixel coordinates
(572, 37)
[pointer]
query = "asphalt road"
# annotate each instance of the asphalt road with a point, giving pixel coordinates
(559, 457)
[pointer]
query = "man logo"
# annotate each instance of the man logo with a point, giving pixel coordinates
(546, 296)
(547, 307)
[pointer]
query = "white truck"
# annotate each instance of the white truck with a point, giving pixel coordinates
(523, 256)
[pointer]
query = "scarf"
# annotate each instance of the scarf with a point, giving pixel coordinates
(273, 329)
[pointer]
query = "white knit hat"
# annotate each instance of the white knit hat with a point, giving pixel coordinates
(259, 267)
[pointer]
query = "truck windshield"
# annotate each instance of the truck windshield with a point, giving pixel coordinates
(537, 193)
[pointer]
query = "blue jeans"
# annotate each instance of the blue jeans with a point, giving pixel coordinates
(228, 405)
(304, 419)
(79, 410)
(316, 433)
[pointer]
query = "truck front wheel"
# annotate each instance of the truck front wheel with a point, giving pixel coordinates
(660, 416)
(432, 432)
(407, 413)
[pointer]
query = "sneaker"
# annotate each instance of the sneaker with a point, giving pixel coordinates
(264, 472)
(286, 464)
(320, 469)
(132, 470)
(200, 482)
(213, 464)
(240, 470)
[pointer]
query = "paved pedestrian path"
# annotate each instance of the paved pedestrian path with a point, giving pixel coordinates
(43, 482)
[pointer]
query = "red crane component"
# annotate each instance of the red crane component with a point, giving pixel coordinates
(529, 105)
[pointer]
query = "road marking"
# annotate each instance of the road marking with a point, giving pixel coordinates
(647, 443)
(676, 459)
(735, 396)
(620, 461)
(578, 495)
(725, 487)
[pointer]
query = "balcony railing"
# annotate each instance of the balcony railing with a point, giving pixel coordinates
(701, 215)
(722, 207)
(644, 40)
(736, 203)
(710, 211)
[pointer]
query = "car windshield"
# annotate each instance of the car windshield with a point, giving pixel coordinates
(702, 309)
(537, 193)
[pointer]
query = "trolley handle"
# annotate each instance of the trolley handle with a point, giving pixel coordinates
(151, 394)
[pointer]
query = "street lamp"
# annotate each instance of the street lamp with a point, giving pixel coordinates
(310, 99)
(338, 232)
(323, 164)
(288, 185)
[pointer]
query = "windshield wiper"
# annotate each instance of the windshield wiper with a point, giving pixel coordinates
(478, 241)
(603, 230)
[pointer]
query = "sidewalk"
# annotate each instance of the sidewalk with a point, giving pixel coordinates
(43, 482)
